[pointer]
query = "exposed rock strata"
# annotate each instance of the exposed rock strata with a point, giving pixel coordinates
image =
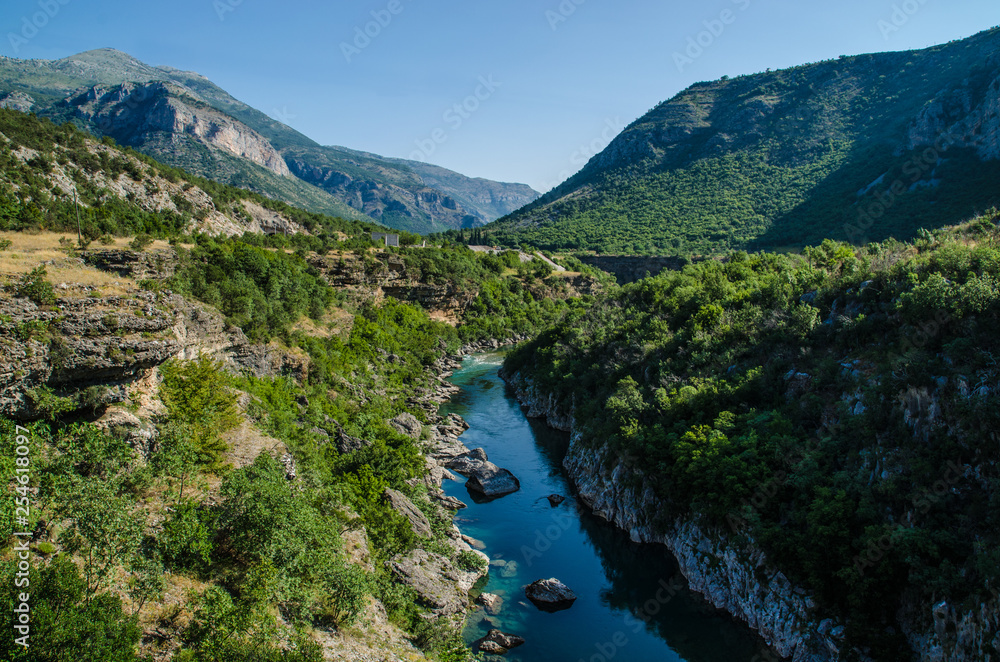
(731, 576)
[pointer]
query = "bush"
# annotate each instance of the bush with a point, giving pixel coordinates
(471, 561)
(67, 625)
(197, 395)
(141, 242)
(186, 541)
(34, 285)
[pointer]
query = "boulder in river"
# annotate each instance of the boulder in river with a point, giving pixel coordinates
(485, 478)
(492, 481)
(550, 594)
(470, 462)
(555, 499)
(506, 640)
(491, 648)
(497, 642)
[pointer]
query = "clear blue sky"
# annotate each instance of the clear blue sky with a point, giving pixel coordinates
(564, 75)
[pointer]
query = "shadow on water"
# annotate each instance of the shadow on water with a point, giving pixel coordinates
(633, 603)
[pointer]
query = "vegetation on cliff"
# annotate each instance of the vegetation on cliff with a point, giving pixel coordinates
(175, 546)
(839, 408)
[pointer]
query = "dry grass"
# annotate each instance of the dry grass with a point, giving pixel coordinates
(29, 250)
(336, 322)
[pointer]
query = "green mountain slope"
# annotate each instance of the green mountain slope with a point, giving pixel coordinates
(790, 157)
(836, 410)
(403, 194)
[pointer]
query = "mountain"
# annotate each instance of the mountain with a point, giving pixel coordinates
(860, 148)
(184, 119)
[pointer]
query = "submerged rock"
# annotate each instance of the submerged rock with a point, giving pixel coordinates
(550, 594)
(491, 602)
(555, 499)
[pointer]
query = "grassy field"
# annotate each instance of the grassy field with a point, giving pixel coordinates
(28, 251)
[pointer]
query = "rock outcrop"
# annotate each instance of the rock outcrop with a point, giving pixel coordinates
(402, 505)
(497, 642)
(440, 584)
(85, 350)
(964, 115)
(550, 594)
(485, 478)
(136, 113)
(730, 574)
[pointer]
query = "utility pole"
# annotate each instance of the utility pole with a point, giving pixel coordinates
(79, 232)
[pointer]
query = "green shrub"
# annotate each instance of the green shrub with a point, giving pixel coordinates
(34, 285)
(197, 395)
(141, 242)
(66, 622)
(471, 561)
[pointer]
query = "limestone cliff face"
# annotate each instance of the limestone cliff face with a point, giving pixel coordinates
(92, 350)
(387, 275)
(733, 574)
(399, 205)
(17, 101)
(965, 115)
(105, 343)
(134, 113)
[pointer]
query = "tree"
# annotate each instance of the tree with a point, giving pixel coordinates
(67, 623)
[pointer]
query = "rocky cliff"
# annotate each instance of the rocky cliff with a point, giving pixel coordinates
(734, 575)
(182, 118)
(386, 274)
(966, 114)
(67, 173)
(139, 113)
(731, 574)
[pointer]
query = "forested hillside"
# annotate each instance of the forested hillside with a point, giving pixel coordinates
(837, 410)
(229, 431)
(858, 149)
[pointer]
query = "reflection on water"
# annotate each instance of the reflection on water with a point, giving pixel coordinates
(632, 604)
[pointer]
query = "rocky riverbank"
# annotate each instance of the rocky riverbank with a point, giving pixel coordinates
(730, 574)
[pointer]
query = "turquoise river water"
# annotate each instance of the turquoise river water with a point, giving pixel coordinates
(633, 605)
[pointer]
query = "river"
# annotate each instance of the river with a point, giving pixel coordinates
(633, 605)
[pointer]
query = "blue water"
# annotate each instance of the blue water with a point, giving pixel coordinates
(632, 605)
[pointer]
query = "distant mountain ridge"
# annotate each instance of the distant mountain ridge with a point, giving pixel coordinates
(184, 119)
(861, 149)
